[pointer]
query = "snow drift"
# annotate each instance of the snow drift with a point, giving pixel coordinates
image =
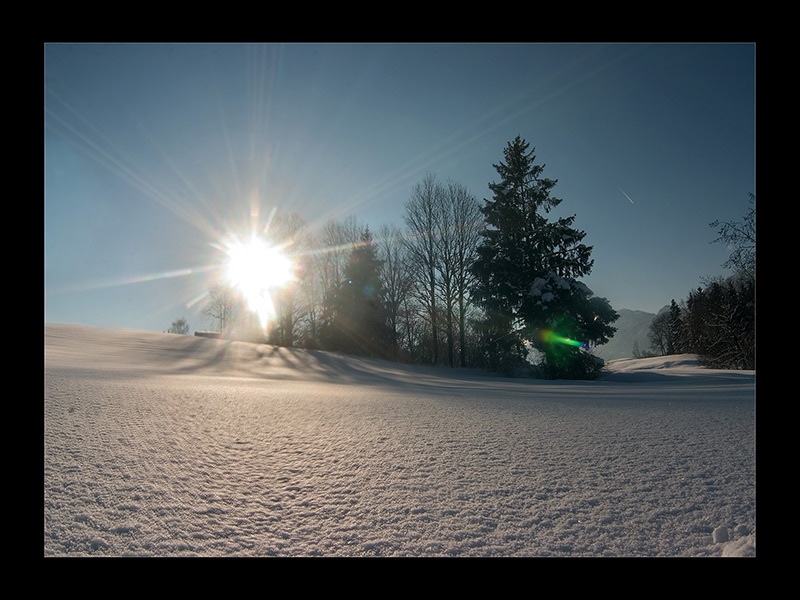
(169, 445)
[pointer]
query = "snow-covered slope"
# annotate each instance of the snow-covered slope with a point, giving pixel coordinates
(167, 445)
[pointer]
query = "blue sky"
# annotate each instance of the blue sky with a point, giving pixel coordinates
(154, 152)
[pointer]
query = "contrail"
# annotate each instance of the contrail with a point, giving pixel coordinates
(626, 195)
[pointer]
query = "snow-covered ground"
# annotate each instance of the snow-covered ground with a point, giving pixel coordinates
(168, 445)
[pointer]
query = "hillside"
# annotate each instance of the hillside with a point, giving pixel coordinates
(632, 327)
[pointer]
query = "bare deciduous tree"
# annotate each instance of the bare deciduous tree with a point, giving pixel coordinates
(288, 232)
(741, 238)
(444, 224)
(396, 282)
(467, 222)
(221, 306)
(179, 326)
(422, 220)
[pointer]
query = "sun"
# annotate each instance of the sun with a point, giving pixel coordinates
(256, 269)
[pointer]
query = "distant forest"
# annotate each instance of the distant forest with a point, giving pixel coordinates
(717, 320)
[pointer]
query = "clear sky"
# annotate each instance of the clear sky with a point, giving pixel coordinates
(154, 152)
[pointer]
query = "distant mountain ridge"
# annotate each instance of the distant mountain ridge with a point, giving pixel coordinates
(632, 328)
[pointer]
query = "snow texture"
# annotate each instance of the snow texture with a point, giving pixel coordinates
(170, 445)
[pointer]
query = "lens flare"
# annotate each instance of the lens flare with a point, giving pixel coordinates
(256, 270)
(551, 337)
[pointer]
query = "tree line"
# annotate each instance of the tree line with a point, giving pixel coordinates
(400, 293)
(460, 283)
(717, 321)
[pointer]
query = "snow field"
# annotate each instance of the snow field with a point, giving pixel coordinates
(166, 445)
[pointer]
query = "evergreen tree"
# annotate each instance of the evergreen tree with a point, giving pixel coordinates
(526, 274)
(360, 321)
(667, 333)
(698, 314)
(720, 322)
(675, 325)
(334, 245)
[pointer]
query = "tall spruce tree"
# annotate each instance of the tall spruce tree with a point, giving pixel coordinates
(360, 322)
(526, 275)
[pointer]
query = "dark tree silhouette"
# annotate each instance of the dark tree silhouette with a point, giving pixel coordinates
(221, 306)
(396, 283)
(288, 232)
(719, 323)
(360, 321)
(526, 274)
(741, 237)
(179, 326)
(422, 216)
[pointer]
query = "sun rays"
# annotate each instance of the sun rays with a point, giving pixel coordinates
(256, 269)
